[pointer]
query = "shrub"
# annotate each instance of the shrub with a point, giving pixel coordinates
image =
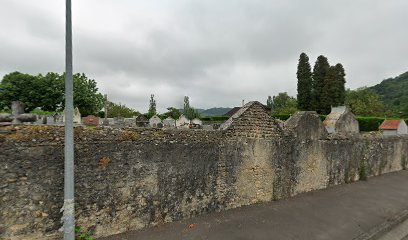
(215, 118)
(282, 117)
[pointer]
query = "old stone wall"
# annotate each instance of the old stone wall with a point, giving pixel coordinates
(135, 178)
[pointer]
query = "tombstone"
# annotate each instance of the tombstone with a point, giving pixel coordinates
(207, 127)
(50, 120)
(153, 121)
(41, 120)
(341, 120)
(106, 103)
(17, 115)
(77, 116)
(197, 121)
(90, 121)
(59, 119)
(131, 122)
(169, 123)
(142, 121)
(306, 125)
(182, 122)
(119, 121)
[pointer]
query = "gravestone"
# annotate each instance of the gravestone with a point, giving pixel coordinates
(154, 121)
(77, 116)
(182, 122)
(90, 121)
(208, 127)
(119, 121)
(105, 119)
(142, 121)
(169, 123)
(197, 121)
(130, 122)
(341, 120)
(50, 120)
(17, 115)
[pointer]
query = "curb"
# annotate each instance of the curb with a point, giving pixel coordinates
(380, 230)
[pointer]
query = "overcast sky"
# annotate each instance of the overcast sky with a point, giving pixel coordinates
(216, 52)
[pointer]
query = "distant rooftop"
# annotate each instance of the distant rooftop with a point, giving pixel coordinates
(390, 124)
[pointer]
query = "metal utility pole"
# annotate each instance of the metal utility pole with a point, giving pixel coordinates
(68, 208)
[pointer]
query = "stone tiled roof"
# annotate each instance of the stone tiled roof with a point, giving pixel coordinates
(252, 120)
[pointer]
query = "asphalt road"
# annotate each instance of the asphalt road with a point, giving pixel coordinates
(347, 211)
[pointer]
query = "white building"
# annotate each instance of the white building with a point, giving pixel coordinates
(394, 127)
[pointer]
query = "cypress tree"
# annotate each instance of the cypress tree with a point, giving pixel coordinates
(340, 96)
(304, 85)
(320, 70)
(328, 97)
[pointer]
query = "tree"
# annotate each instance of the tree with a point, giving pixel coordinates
(47, 92)
(189, 111)
(340, 96)
(365, 102)
(269, 102)
(403, 107)
(328, 95)
(119, 110)
(52, 87)
(304, 85)
(86, 96)
(320, 70)
(186, 106)
(152, 107)
(22, 87)
(284, 104)
(173, 113)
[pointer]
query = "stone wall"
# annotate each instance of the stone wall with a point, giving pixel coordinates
(134, 178)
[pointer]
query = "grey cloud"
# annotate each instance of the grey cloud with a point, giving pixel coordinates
(217, 52)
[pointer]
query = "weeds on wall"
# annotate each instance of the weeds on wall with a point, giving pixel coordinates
(404, 163)
(79, 235)
(363, 172)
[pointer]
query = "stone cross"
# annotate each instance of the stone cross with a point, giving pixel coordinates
(17, 114)
(105, 120)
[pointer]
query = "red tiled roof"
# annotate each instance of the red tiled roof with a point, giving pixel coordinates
(390, 124)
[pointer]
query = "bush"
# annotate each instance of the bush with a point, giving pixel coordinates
(368, 124)
(282, 117)
(215, 118)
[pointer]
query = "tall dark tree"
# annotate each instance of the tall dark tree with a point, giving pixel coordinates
(304, 85)
(269, 102)
(189, 111)
(340, 94)
(329, 92)
(320, 70)
(152, 107)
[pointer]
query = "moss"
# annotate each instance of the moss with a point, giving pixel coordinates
(129, 136)
(404, 163)
(363, 173)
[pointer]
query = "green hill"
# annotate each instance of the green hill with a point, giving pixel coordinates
(216, 111)
(394, 92)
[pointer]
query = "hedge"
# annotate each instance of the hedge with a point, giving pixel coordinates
(214, 118)
(366, 124)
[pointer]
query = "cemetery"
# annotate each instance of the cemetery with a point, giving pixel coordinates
(132, 177)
